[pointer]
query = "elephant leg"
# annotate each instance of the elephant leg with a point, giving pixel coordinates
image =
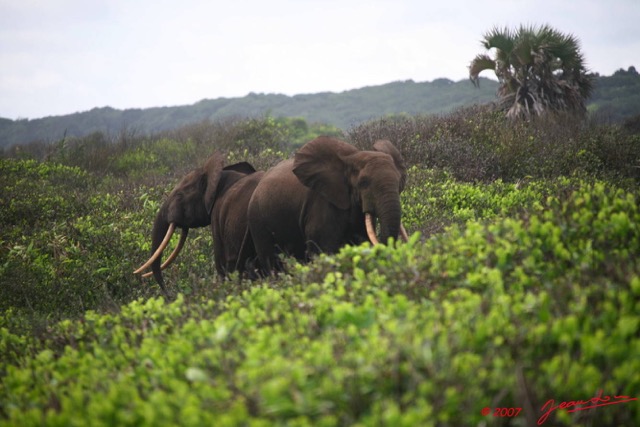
(325, 230)
(262, 236)
(247, 258)
(219, 254)
(265, 248)
(320, 244)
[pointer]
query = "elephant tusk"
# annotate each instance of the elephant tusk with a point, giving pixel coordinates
(174, 254)
(403, 233)
(158, 251)
(371, 230)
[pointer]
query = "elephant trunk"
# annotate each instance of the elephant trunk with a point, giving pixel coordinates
(160, 237)
(158, 234)
(388, 213)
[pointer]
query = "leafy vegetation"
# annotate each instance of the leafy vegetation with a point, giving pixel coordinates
(474, 144)
(520, 284)
(617, 97)
(614, 97)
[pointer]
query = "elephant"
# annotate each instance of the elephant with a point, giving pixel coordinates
(327, 196)
(211, 195)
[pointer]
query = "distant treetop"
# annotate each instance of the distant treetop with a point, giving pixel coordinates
(539, 69)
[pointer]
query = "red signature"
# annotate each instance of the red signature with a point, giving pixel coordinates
(581, 405)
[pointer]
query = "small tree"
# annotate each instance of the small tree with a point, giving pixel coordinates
(539, 69)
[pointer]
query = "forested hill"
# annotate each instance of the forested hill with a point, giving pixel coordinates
(617, 95)
(339, 109)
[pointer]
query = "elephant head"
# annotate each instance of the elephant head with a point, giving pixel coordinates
(369, 181)
(189, 205)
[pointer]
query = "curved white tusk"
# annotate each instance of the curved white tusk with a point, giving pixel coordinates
(403, 233)
(371, 230)
(158, 251)
(174, 254)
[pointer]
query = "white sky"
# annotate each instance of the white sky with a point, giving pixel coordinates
(64, 56)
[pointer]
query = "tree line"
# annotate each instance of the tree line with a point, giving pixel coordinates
(617, 96)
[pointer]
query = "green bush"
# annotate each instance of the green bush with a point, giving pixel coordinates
(157, 157)
(33, 193)
(67, 246)
(477, 144)
(505, 313)
(434, 200)
(520, 284)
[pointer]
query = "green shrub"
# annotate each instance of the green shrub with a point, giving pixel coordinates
(66, 246)
(521, 284)
(477, 144)
(433, 199)
(505, 313)
(157, 157)
(33, 193)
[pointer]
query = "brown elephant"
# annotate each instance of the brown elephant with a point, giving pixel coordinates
(328, 196)
(210, 195)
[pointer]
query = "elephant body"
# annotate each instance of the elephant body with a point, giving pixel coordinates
(287, 216)
(317, 201)
(210, 195)
(329, 195)
(232, 241)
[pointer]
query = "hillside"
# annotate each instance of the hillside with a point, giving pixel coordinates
(617, 96)
(343, 110)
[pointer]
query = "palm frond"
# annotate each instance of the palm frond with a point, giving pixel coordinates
(500, 39)
(522, 53)
(479, 64)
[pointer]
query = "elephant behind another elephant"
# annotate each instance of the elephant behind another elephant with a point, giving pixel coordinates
(328, 196)
(212, 195)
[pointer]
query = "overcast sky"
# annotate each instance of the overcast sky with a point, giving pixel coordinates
(65, 56)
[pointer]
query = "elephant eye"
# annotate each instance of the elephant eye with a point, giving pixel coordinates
(364, 183)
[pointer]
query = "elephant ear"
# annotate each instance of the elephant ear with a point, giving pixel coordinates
(242, 167)
(319, 165)
(385, 146)
(212, 169)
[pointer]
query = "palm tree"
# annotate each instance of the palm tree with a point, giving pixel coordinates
(539, 69)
